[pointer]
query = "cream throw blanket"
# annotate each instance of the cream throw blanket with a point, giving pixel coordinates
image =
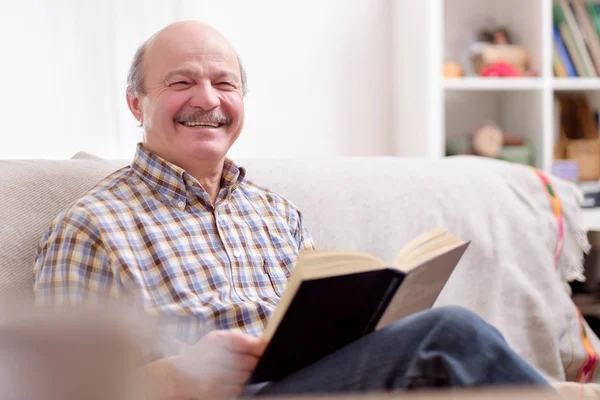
(511, 279)
(508, 274)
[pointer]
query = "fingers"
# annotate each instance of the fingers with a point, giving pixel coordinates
(256, 347)
(242, 343)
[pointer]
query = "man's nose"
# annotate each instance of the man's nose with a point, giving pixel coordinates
(205, 96)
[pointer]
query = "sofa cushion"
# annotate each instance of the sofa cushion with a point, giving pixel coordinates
(32, 193)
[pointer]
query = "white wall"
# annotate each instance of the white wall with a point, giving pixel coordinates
(56, 71)
(320, 74)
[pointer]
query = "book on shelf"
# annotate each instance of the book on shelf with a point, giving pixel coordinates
(576, 36)
(571, 35)
(588, 32)
(335, 297)
(559, 69)
(594, 13)
(562, 59)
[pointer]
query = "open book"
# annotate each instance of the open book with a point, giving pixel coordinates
(334, 297)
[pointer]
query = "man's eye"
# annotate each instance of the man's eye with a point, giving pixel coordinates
(180, 83)
(226, 84)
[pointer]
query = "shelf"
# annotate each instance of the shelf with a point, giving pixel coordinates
(568, 84)
(453, 107)
(499, 84)
(591, 216)
(493, 84)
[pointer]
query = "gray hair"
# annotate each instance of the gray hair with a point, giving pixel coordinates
(135, 77)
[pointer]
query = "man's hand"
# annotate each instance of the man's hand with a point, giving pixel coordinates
(215, 368)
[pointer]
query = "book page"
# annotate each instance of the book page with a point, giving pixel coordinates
(325, 263)
(427, 254)
(422, 239)
(431, 247)
(422, 286)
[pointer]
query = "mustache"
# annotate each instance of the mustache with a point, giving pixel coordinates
(212, 116)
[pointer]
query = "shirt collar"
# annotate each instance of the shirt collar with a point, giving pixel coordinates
(170, 180)
(232, 175)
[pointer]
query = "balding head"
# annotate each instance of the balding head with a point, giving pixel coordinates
(186, 88)
(135, 77)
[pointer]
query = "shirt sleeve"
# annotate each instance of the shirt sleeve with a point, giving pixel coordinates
(303, 236)
(72, 266)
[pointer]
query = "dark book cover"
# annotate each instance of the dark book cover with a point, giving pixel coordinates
(326, 315)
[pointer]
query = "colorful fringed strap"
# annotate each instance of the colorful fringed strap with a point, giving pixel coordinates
(586, 371)
(557, 211)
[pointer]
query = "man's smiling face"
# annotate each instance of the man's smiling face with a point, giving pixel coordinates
(192, 107)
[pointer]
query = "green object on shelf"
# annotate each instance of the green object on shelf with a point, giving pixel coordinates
(517, 154)
(457, 146)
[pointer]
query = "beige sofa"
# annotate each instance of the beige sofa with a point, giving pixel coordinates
(509, 275)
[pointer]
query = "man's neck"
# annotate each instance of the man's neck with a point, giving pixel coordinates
(209, 176)
(207, 172)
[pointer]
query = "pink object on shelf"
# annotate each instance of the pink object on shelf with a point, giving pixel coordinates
(499, 69)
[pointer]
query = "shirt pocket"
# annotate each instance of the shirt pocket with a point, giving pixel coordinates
(278, 270)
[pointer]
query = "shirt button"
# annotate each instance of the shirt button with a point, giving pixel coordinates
(180, 204)
(236, 254)
(190, 182)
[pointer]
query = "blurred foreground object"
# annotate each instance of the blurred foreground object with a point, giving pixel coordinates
(70, 355)
(570, 393)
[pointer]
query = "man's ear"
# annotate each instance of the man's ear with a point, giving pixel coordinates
(134, 103)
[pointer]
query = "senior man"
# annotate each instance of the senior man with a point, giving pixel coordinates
(184, 231)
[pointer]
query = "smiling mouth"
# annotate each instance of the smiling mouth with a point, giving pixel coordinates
(198, 124)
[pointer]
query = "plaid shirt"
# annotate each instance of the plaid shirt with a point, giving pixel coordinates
(149, 230)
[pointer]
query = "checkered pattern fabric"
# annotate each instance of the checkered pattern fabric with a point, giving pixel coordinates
(150, 231)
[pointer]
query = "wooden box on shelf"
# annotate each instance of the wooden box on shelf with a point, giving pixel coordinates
(578, 139)
(587, 154)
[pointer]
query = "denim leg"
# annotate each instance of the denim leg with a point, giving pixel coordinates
(446, 346)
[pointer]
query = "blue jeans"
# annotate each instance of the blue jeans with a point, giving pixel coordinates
(446, 346)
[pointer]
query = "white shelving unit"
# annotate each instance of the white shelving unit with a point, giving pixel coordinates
(432, 109)
(493, 84)
(522, 106)
(439, 108)
(576, 84)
